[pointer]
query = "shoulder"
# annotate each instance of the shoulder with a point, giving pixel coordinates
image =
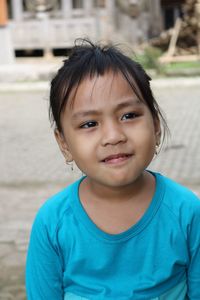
(177, 194)
(179, 200)
(57, 207)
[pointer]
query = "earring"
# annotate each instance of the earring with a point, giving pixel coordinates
(157, 148)
(70, 163)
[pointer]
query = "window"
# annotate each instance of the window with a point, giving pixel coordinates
(100, 3)
(77, 4)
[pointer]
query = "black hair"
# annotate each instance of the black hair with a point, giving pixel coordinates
(88, 60)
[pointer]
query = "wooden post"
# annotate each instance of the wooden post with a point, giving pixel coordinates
(66, 7)
(3, 13)
(6, 49)
(110, 7)
(88, 7)
(155, 19)
(174, 37)
(197, 13)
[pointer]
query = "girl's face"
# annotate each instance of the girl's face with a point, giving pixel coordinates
(108, 131)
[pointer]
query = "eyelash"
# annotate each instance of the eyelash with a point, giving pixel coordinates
(131, 115)
(90, 124)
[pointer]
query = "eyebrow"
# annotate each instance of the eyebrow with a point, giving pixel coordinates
(124, 104)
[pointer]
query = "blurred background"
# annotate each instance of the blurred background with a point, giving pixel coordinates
(35, 37)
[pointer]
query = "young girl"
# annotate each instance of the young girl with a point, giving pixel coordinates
(120, 232)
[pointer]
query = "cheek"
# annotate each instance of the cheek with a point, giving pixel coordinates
(146, 138)
(145, 130)
(80, 147)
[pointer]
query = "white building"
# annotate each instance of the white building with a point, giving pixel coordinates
(55, 24)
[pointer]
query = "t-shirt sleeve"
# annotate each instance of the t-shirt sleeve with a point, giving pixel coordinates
(194, 253)
(43, 266)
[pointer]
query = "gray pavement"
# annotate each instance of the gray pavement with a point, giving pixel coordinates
(32, 167)
(29, 69)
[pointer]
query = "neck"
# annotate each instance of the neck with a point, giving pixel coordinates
(120, 194)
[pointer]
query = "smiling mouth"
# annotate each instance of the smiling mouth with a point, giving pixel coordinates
(112, 159)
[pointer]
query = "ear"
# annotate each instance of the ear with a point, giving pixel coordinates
(157, 127)
(63, 145)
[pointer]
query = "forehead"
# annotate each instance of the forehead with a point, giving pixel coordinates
(110, 86)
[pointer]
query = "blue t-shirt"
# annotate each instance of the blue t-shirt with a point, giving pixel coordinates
(70, 258)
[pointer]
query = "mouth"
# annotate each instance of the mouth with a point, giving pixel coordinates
(116, 158)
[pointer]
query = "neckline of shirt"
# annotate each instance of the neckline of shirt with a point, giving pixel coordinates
(134, 230)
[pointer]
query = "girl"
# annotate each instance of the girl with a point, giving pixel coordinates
(120, 232)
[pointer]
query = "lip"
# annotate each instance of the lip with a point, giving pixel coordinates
(116, 158)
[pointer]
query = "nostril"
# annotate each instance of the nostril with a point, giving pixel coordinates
(113, 136)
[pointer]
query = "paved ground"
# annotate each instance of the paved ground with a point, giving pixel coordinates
(32, 168)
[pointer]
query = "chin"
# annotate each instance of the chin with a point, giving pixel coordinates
(120, 181)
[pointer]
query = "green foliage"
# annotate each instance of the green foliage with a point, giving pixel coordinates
(149, 58)
(183, 65)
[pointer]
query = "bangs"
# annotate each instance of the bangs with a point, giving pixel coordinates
(88, 60)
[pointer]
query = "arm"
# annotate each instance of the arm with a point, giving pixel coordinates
(43, 266)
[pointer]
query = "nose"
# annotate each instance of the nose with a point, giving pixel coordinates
(113, 134)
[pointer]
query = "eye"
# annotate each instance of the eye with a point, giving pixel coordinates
(130, 115)
(89, 124)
